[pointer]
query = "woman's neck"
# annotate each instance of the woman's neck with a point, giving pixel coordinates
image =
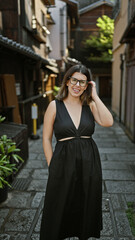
(73, 100)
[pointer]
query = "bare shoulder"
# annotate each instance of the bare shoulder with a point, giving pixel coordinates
(51, 109)
(52, 106)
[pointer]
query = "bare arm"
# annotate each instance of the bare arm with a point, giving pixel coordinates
(48, 131)
(100, 112)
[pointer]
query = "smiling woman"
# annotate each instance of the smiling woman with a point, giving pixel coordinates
(74, 75)
(73, 200)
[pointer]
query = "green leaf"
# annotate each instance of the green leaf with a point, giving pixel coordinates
(4, 138)
(0, 183)
(13, 149)
(3, 158)
(3, 182)
(98, 47)
(1, 147)
(6, 168)
(7, 154)
(2, 119)
(17, 158)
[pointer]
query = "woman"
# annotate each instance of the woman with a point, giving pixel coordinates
(73, 201)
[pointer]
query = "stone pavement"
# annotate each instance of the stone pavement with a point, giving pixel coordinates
(20, 215)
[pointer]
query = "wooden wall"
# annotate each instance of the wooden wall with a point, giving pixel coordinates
(87, 26)
(9, 9)
(88, 20)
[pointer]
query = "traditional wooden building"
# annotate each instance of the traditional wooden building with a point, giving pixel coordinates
(65, 16)
(24, 57)
(89, 12)
(123, 68)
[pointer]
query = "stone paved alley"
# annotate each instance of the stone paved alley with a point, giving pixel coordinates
(20, 215)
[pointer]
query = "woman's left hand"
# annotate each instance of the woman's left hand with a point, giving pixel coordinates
(93, 91)
(100, 112)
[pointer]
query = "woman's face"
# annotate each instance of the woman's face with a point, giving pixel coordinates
(77, 84)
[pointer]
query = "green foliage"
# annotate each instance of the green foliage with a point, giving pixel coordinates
(99, 48)
(8, 158)
(131, 216)
(55, 90)
(2, 119)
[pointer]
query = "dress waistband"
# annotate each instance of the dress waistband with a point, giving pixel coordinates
(68, 138)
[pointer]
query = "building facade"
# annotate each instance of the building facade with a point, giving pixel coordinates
(65, 16)
(123, 68)
(24, 56)
(89, 12)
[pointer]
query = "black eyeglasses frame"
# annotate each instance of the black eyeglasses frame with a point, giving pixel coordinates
(78, 81)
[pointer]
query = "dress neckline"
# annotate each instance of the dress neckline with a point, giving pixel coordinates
(77, 128)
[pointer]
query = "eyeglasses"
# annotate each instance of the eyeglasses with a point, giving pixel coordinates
(74, 81)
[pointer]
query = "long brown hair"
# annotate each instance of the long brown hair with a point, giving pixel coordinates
(63, 92)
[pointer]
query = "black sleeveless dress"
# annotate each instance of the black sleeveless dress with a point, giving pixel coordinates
(73, 200)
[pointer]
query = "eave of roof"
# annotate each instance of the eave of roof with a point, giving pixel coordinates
(71, 61)
(129, 33)
(53, 69)
(49, 2)
(21, 49)
(71, 2)
(28, 52)
(74, 6)
(95, 5)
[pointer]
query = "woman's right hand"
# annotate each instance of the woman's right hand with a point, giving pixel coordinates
(48, 130)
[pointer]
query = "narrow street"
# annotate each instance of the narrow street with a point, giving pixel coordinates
(21, 213)
(39, 41)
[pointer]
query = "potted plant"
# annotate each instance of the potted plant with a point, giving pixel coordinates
(8, 162)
